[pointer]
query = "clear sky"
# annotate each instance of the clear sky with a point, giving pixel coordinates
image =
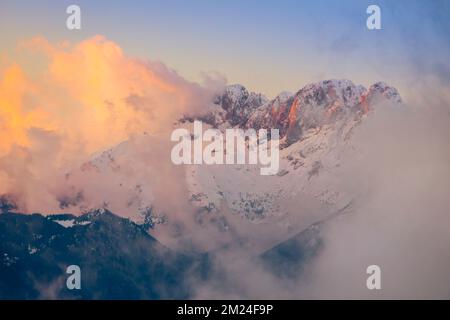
(269, 46)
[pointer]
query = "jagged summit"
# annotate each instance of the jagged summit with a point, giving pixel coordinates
(316, 124)
(35, 250)
(313, 105)
(381, 90)
(292, 114)
(239, 104)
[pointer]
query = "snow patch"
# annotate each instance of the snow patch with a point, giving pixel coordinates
(71, 223)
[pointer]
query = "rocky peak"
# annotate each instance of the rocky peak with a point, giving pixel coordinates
(317, 104)
(378, 93)
(312, 106)
(239, 104)
(273, 114)
(320, 103)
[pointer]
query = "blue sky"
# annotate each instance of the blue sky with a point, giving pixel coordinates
(268, 46)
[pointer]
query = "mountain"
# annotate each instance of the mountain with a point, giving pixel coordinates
(232, 107)
(288, 259)
(317, 104)
(234, 202)
(316, 126)
(172, 218)
(118, 259)
(239, 104)
(273, 114)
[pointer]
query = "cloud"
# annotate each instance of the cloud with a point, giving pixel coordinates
(79, 99)
(89, 96)
(401, 220)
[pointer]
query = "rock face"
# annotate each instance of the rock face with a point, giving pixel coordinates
(232, 204)
(292, 114)
(316, 125)
(117, 259)
(274, 114)
(320, 103)
(380, 92)
(317, 104)
(239, 104)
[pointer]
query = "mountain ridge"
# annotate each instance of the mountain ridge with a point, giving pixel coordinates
(293, 113)
(234, 202)
(35, 251)
(118, 259)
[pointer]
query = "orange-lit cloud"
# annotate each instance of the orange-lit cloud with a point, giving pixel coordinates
(85, 97)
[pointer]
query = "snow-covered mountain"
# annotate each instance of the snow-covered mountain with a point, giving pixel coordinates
(118, 259)
(318, 104)
(239, 104)
(234, 202)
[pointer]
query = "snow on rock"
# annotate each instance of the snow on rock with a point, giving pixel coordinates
(71, 223)
(316, 124)
(317, 104)
(273, 114)
(381, 91)
(239, 104)
(66, 223)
